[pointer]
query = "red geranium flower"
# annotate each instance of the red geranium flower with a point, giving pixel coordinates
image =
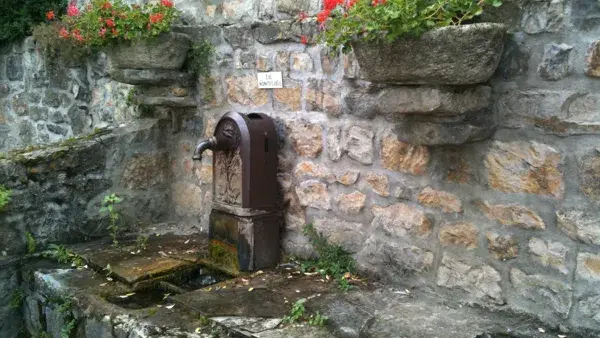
(50, 15)
(72, 10)
(332, 4)
(166, 3)
(77, 35)
(156, 18)
(63, 33)
(110, 22)
(304, 39)
(323, 15)
(106, 5)
(102, 32)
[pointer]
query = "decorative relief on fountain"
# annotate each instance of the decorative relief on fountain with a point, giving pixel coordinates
(228, 166)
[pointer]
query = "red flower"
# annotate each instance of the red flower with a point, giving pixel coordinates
(110, 22)
(106, 5)
(166, 3)
(72, 10)
(156, 18)
(332, 4)
(102, 32)
(63, 33)
(50, 15)
(350, 3)
(77, 35)
(302, 16)
(304, 39)
(323, 15)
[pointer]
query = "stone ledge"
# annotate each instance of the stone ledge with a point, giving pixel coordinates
(151, 76)
(175, 102)
(433, 134)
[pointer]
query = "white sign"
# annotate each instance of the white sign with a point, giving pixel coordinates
(269, 80)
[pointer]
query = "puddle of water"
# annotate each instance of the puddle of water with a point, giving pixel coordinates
(199, 278)
(141, 299)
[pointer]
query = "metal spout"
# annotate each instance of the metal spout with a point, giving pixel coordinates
(209, 143)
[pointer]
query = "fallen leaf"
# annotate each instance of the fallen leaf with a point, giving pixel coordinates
(127, 295)
(162, 253)
(198, 330)
(347, 275)
(131, 252)
(310, 273)
(109, 279)
(104, 284)
(170, 306)
(166, 296)
(186, 242)
(297, 291)
(250, 289)
(562, 336)
(259, 272)
(541, 330)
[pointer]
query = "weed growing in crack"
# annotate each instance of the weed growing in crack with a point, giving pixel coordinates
(4, 196)
(333, 259)
(16, 299)
(108, 205)
(31, 243)
(298, 313)
(63, 255)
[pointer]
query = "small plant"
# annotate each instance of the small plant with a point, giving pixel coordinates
(141, 243)
(65, 306)
(5, 195)
(17, 17)
(16, 299)
(333, 259)
(297, 312)
(317, 319)
(108, 205)
(31, 243)
(200, 57)
(64, 255)
(346, 21)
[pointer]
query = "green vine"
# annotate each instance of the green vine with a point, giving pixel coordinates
(108, 205)
(5, 195)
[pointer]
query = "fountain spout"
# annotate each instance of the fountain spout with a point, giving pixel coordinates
(209, 143)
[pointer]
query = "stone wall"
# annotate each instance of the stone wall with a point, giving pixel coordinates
(509, 222)
(43, 101)
(57, 192)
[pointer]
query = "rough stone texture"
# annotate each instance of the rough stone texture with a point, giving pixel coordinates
(580, 224)
(588, 266)
(440, 199)
(465, 54)
(350, 235)
(351, 204)
(555, 295)
(244, 91)
(403, 157)
(502, 246)
(592, 67)
(480, 281)
(323, 96)
(145, 170)
(306, 138)
(10, 318)
(432, 134)
(512, 214)
(401, 220)
(313, 194)
(555, 64)
(542, 17)
(528, 167)
(151, 77)
(589, 172)
(462, 233)
(379, 183)
(437, 101)
(359, 144)
(187, 199)
(334, 143)
(306, 169)
(550, 253)
(347, 177)
(167, 51)
(288, 97)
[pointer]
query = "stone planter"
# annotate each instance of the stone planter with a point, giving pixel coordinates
(453, 55)
(167, 51)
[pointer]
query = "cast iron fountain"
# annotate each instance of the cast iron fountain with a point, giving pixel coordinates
(244, 222)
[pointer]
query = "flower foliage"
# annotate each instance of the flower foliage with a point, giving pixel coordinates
(18, 17)
(104, 21)
(345, 21)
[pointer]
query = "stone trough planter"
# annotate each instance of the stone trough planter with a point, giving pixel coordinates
(167, 51)
(453, 55)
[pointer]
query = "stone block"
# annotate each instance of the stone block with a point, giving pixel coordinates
(167, 51)
(314, 194)
(323, 96)
(329, 62)
(379, 183)
(481, 281)
(542, 292)
(347, 177)
(350, 235)
(527, 167)
(589, 175)
(512, 214)
(460, 233)
(580, 224)
(14, 67)
(359, 144)
(446, 201)
(334, 143)
(293, 7)
(243, 90)
(549, 253)
(145, 170)
(545, 16)
(151, 77)
(403, 157)
(555, 64)
(307, 169)
(401, 220)
(187, 199)
(306, 138)
(434, 134)
(288, 99)
(351, 204)
(238, 36)
(302, 62)
(273, 31)
(502, 247)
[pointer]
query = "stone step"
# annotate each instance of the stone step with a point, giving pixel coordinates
(152, 77)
